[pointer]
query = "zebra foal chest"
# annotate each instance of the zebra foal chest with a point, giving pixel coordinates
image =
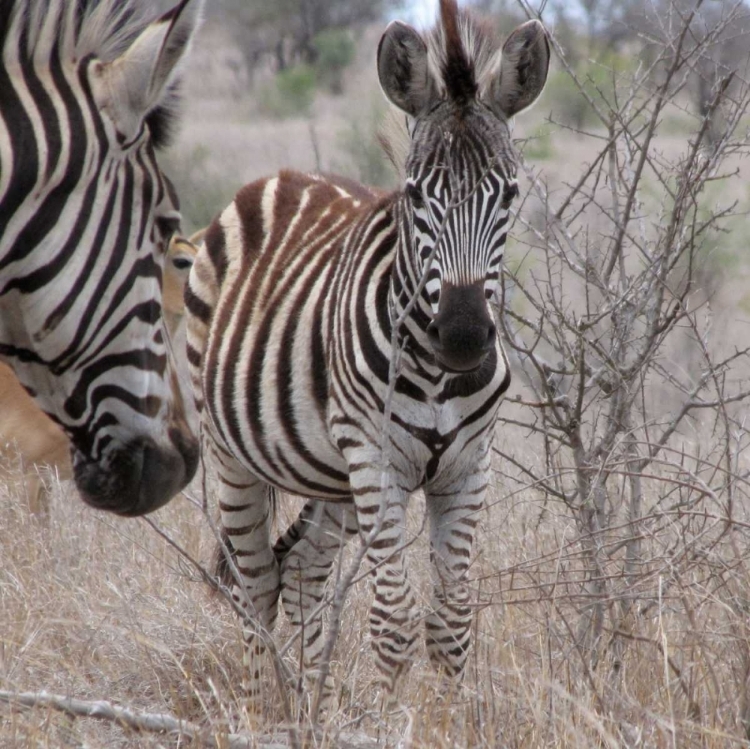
(433, 438)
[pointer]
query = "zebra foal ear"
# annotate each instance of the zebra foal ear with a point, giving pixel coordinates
(142, 78)
(403, 71)
(523, 70)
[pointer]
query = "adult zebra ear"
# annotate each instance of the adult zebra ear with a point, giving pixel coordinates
(522, 70)
(140, 80)
(403, 71)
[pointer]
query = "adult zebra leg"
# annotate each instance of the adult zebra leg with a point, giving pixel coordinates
(453, 513)
(306, 553)
(246, 505)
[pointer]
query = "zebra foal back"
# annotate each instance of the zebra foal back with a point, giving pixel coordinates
(309, 291)
(88, 93)
(267, 261)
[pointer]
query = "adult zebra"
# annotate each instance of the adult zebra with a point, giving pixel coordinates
(29, 441)
(87, 91)
(291, 307)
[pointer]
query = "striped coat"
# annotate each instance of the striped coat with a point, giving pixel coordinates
(88, 91)
(291, 311)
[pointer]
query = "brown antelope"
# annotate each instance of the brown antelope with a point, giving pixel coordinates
(29, 437)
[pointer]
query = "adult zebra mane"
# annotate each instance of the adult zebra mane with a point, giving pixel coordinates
(67, 31)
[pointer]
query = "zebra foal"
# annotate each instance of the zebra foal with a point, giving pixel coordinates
(87, 91)
(290, 310)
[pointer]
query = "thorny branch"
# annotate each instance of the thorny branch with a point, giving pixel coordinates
(632, 405)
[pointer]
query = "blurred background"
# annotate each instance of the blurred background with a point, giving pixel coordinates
(292, 83)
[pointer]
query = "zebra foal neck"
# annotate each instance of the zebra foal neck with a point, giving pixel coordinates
(307, 290)
(85, 216)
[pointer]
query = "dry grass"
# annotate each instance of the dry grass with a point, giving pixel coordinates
(95, 607)
(98, 608)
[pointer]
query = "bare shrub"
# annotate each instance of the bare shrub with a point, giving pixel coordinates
(636, 411)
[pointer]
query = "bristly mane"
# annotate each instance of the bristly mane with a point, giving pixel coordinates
(67, 31)
(463, 50)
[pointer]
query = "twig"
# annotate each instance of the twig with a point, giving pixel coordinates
(139, 721)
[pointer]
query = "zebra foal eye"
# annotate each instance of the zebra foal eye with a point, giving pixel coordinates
(510, 191)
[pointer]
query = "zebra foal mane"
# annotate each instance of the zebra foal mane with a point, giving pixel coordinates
(463, 50)
(464, 54)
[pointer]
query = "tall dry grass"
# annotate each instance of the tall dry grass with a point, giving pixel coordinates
(96, 607)
(99, 608)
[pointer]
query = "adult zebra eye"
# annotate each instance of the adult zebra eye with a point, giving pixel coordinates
(415, 195)
(168, 225)
(510, 191)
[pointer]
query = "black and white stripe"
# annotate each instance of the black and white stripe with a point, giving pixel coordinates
(291, 307)
(86, 90)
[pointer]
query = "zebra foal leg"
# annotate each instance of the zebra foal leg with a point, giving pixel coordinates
(453, 519)
(393, 615)
(246, 510)
(306, 553)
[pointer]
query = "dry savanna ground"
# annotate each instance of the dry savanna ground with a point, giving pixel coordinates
(94, 607)
(99, 608)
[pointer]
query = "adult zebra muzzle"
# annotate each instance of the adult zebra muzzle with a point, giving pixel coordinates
(139, 477)
(462, 333)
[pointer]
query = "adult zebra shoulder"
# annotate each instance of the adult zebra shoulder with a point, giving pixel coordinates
(87, 93)
(291, 309)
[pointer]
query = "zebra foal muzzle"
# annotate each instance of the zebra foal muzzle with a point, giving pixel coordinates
(462, 333)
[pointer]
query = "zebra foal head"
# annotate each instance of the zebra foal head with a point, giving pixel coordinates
(460, 90)
(87, 88)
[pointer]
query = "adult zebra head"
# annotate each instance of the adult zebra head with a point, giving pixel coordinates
(460, 90)
(86, 92)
